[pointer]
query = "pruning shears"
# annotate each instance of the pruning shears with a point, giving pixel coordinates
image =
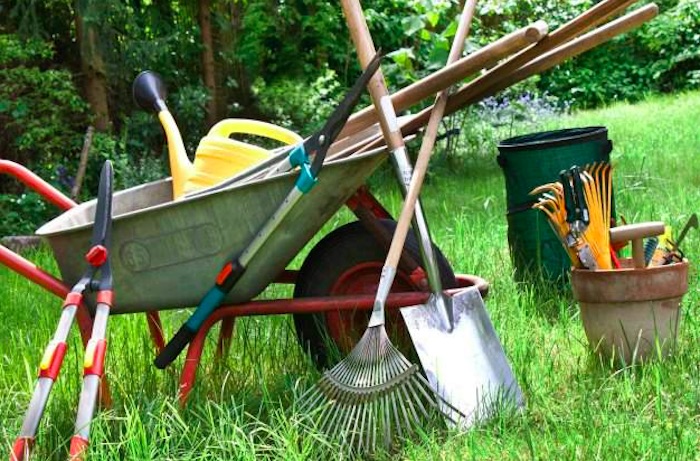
(308, 157)
(577, 215)
(97, 279)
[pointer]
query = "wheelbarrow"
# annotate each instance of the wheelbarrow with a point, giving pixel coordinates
(165, 254)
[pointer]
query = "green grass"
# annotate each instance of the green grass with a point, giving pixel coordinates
(243, 408)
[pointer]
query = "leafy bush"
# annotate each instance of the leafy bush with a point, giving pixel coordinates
(673, 39)
(42, 114)
(299, 105)
(663, 55)
(43, 119)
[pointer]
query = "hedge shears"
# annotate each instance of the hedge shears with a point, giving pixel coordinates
(97, 279)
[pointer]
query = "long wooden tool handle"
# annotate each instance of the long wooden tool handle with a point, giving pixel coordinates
(377, 86)
(470, 94)
(583, 22)
(451, 74)
(428, 143)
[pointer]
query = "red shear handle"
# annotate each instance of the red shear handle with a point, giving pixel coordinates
(21, 448)
(78, 448)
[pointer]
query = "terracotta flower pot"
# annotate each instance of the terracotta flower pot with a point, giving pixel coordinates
(628, 313)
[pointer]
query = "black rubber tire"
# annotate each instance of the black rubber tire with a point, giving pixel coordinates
(339, 251)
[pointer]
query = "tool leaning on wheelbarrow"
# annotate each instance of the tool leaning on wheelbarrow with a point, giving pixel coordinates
(309, 156)
(98, 258)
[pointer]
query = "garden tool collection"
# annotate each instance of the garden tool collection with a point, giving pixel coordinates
(309, 157)
(375, 389)
(98, 258)
(578, 208)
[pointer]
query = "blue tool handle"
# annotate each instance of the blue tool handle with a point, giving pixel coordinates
(227, 278)
(181, 339)
(188, 330)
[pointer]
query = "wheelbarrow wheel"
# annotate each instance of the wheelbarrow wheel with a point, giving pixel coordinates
(348, 261)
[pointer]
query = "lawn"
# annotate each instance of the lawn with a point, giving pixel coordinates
(578, 407)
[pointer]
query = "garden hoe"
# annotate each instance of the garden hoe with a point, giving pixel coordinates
(375, 391)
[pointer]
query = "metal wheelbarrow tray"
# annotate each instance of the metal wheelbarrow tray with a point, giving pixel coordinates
(167, 253)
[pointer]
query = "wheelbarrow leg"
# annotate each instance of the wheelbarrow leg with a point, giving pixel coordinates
(189, 370)
(156, 329)
(224, 344)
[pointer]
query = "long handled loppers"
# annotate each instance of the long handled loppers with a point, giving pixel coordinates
(309, 157)
(93, 366)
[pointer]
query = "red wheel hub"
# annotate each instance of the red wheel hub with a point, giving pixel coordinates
(346, 327)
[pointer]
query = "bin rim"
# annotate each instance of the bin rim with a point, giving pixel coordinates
(554, 138)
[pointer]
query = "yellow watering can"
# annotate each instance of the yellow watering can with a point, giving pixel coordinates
(218, 157)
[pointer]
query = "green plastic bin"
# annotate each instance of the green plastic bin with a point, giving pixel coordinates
(529, 161)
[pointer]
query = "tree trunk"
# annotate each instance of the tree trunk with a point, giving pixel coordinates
(242, 94)
(92, 64)
(208, 66)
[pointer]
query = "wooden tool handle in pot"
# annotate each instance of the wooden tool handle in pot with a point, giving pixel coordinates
(636, 233)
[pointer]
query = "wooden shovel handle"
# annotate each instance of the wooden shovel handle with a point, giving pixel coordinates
(359, 32)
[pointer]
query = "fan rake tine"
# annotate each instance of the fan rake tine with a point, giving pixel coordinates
(363, 420)
(386, 415)
(311, 399)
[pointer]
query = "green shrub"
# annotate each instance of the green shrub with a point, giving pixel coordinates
(661, 56)
(43, 120)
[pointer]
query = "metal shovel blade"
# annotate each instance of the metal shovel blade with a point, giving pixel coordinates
(466, 366)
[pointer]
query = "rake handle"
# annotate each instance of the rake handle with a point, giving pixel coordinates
(428, 142)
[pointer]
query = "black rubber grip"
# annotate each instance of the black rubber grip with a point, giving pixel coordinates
(176, 345)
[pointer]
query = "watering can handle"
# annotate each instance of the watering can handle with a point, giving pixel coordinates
(228, 126)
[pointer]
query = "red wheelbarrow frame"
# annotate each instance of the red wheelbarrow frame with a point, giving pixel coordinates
(363, 204)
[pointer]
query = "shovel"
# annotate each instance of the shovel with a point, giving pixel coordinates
(455, 340)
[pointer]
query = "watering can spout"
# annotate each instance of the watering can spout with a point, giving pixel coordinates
(218, 157)
(150, 93)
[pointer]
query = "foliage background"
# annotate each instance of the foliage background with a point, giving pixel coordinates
(287, 62)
